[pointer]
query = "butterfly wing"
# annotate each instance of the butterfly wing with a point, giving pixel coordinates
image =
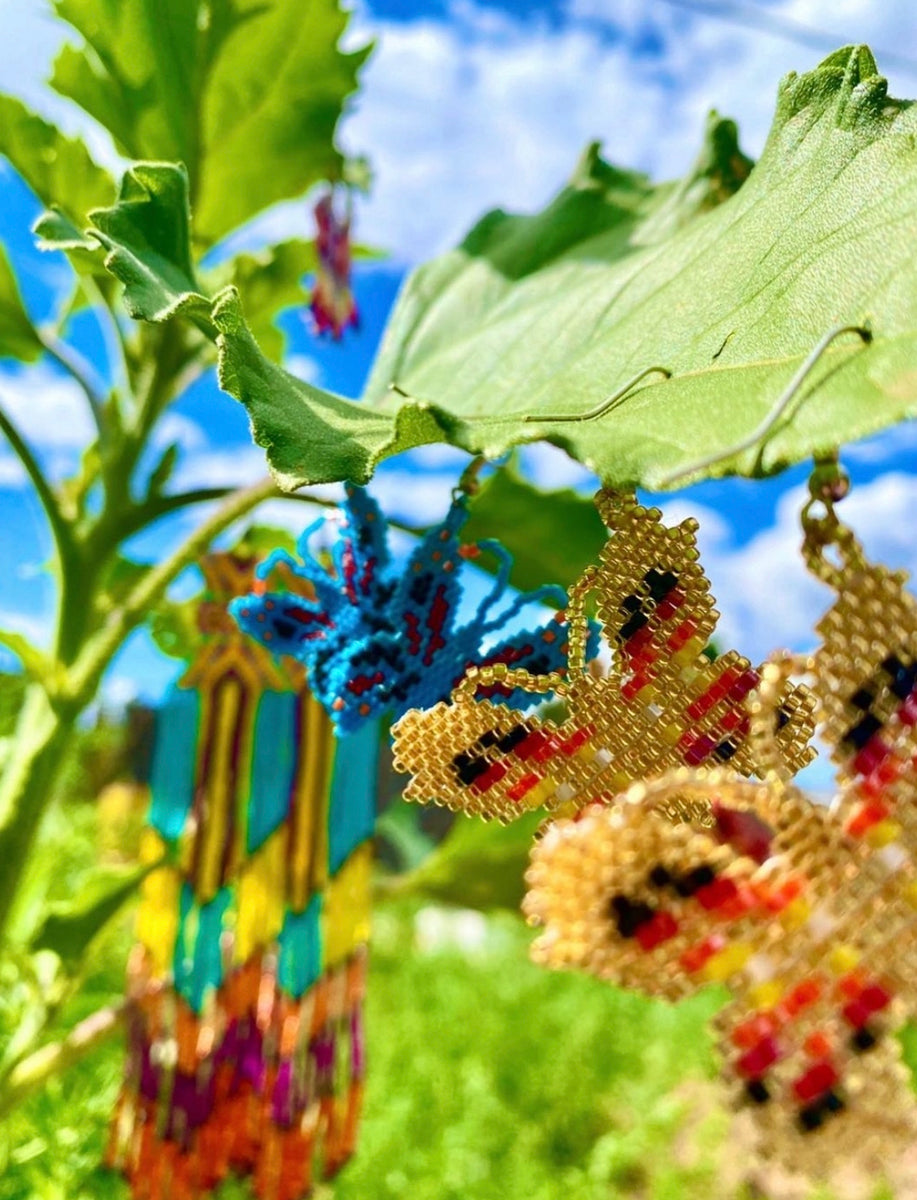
(361, 555)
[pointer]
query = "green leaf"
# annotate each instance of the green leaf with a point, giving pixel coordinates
(18, 336)
(173, 627)
(480, 864)
(270, 280)
(551, 314)
(58, 169)
(245, 93)
(69, 928)
(35, 663)
(344, 440)
(147, 236)
(552, 536)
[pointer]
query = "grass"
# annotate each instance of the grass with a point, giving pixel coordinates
(489, 1079)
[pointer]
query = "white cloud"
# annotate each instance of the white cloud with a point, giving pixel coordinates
(303, 367)
(487, 109)
(767, 598)
(231, 466)
(49, 409)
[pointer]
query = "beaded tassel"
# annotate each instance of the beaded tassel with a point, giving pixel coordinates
(807, 914)
(333, 306)
(662, 703)
(376, 639)
(246, 986)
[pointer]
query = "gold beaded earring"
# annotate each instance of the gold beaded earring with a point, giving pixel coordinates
(806, 913)
(662, 703)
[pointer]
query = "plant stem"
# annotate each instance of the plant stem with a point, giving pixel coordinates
(66, 358)
(29, 1074)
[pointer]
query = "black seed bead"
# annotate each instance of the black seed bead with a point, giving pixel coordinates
(811, 1117)
(700, 877)
(858, 735)
(864, 1039)
(659, 876)
(659, 582)
(862, 699)
(757, 1092)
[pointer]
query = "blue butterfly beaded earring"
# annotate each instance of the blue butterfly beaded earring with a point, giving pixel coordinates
(377, 638)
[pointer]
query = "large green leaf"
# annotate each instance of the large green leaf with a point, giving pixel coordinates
(552, 536)
(245, 93)
(58, 169)
(18, 337)
(824, 230)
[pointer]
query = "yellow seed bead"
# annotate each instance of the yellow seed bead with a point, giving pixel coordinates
(796, 913)
(689, 651)
(766, 995)
(729, 960)
(883, 833)
(647, 694)
(671, 734)
(621, 781)
(910, 893)
(540, 793)
(843, 958)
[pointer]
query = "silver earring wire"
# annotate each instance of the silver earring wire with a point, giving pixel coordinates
(761, 431)
(606, 405)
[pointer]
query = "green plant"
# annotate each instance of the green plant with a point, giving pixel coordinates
(246, 96)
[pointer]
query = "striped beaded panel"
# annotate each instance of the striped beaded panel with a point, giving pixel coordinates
(246, 1049)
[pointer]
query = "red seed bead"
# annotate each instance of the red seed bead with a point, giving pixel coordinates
(523, 787)
(856, 1013)
(668, 606)
(715, 894)
(851, 985)
(752, 1030)
(864, 816)
(577, 740)
(872, 755)
(907, 713)
(875, 998)
(529, 746)
(802, 995)
(819, 1079)
(695, 956)
(494, 773)
(817, 1045)
(754, 1062)
(746, 683)
(659, 928)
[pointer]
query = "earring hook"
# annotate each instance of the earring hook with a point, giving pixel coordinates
(606, 405)
(764, 428)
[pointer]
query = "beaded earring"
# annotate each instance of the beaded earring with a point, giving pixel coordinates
(662, 703)
(807, 914)
(377, 638)
(245, 1042)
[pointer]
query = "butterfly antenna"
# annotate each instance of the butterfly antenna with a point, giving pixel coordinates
(606, 405)
(758, 435)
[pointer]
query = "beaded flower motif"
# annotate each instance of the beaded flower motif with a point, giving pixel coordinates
(663, 702)
(380, 639)
(810, 922)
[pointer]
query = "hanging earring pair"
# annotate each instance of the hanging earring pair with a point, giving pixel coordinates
(806, 913)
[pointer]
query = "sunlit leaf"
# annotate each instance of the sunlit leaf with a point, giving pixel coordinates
(58, 169)
(18, 337)
(245, 93)
(551, 314)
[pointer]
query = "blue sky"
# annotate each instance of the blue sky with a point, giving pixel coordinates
(468, 105)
